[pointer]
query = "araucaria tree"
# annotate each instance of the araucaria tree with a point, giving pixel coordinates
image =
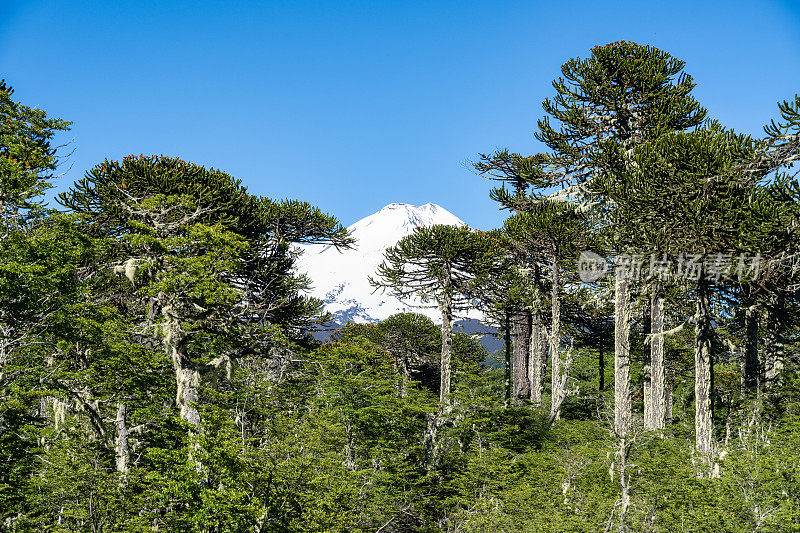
(442, 264)
(606, 105)
(697, 211)
(210, 263)
(552, 232)
(507, 300)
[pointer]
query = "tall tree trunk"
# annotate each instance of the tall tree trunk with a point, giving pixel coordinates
(657, 377)
(447, 348)
(187, 376)
(188, 379)
(536, 359)
(123, 454)
(773, 338)
(622, 356)
(435, 420)
(703, 386)
(557, 380)
(507, 350)
(521, 328)
(405, 375)
(750, 373)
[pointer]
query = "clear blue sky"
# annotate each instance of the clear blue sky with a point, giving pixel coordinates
(354, 105)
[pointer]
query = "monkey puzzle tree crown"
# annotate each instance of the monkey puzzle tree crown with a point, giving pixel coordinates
(151, 207)
(678, 198)
(621, 95)
(437, 262)
(216, 266)
(522, 172)
(109, 186)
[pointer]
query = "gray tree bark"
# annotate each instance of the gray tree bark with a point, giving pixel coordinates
(435, 420)
(536, 360)
(521, 335)
(622, 356)
(188, 379)
(544, 340)
(750, 372)
(447, 349)
(657, 376)
(405, 376)
(557, 381)
(187, 376)
(507, 351)
(122, 451)
(773, 338)
(624, 482)
(703, 419)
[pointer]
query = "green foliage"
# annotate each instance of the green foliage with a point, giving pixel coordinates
(27, 158)
(159, 255)
(621, 95)
(687, 168)
(413, 343)
(439, 263)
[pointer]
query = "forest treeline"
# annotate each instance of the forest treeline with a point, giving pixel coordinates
(158, 373)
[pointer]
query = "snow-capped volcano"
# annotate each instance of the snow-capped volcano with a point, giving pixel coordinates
(340, 278)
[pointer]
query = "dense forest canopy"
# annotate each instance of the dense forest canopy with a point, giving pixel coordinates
(158, 372)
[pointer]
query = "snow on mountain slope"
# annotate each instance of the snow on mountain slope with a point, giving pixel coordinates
(340, 278)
